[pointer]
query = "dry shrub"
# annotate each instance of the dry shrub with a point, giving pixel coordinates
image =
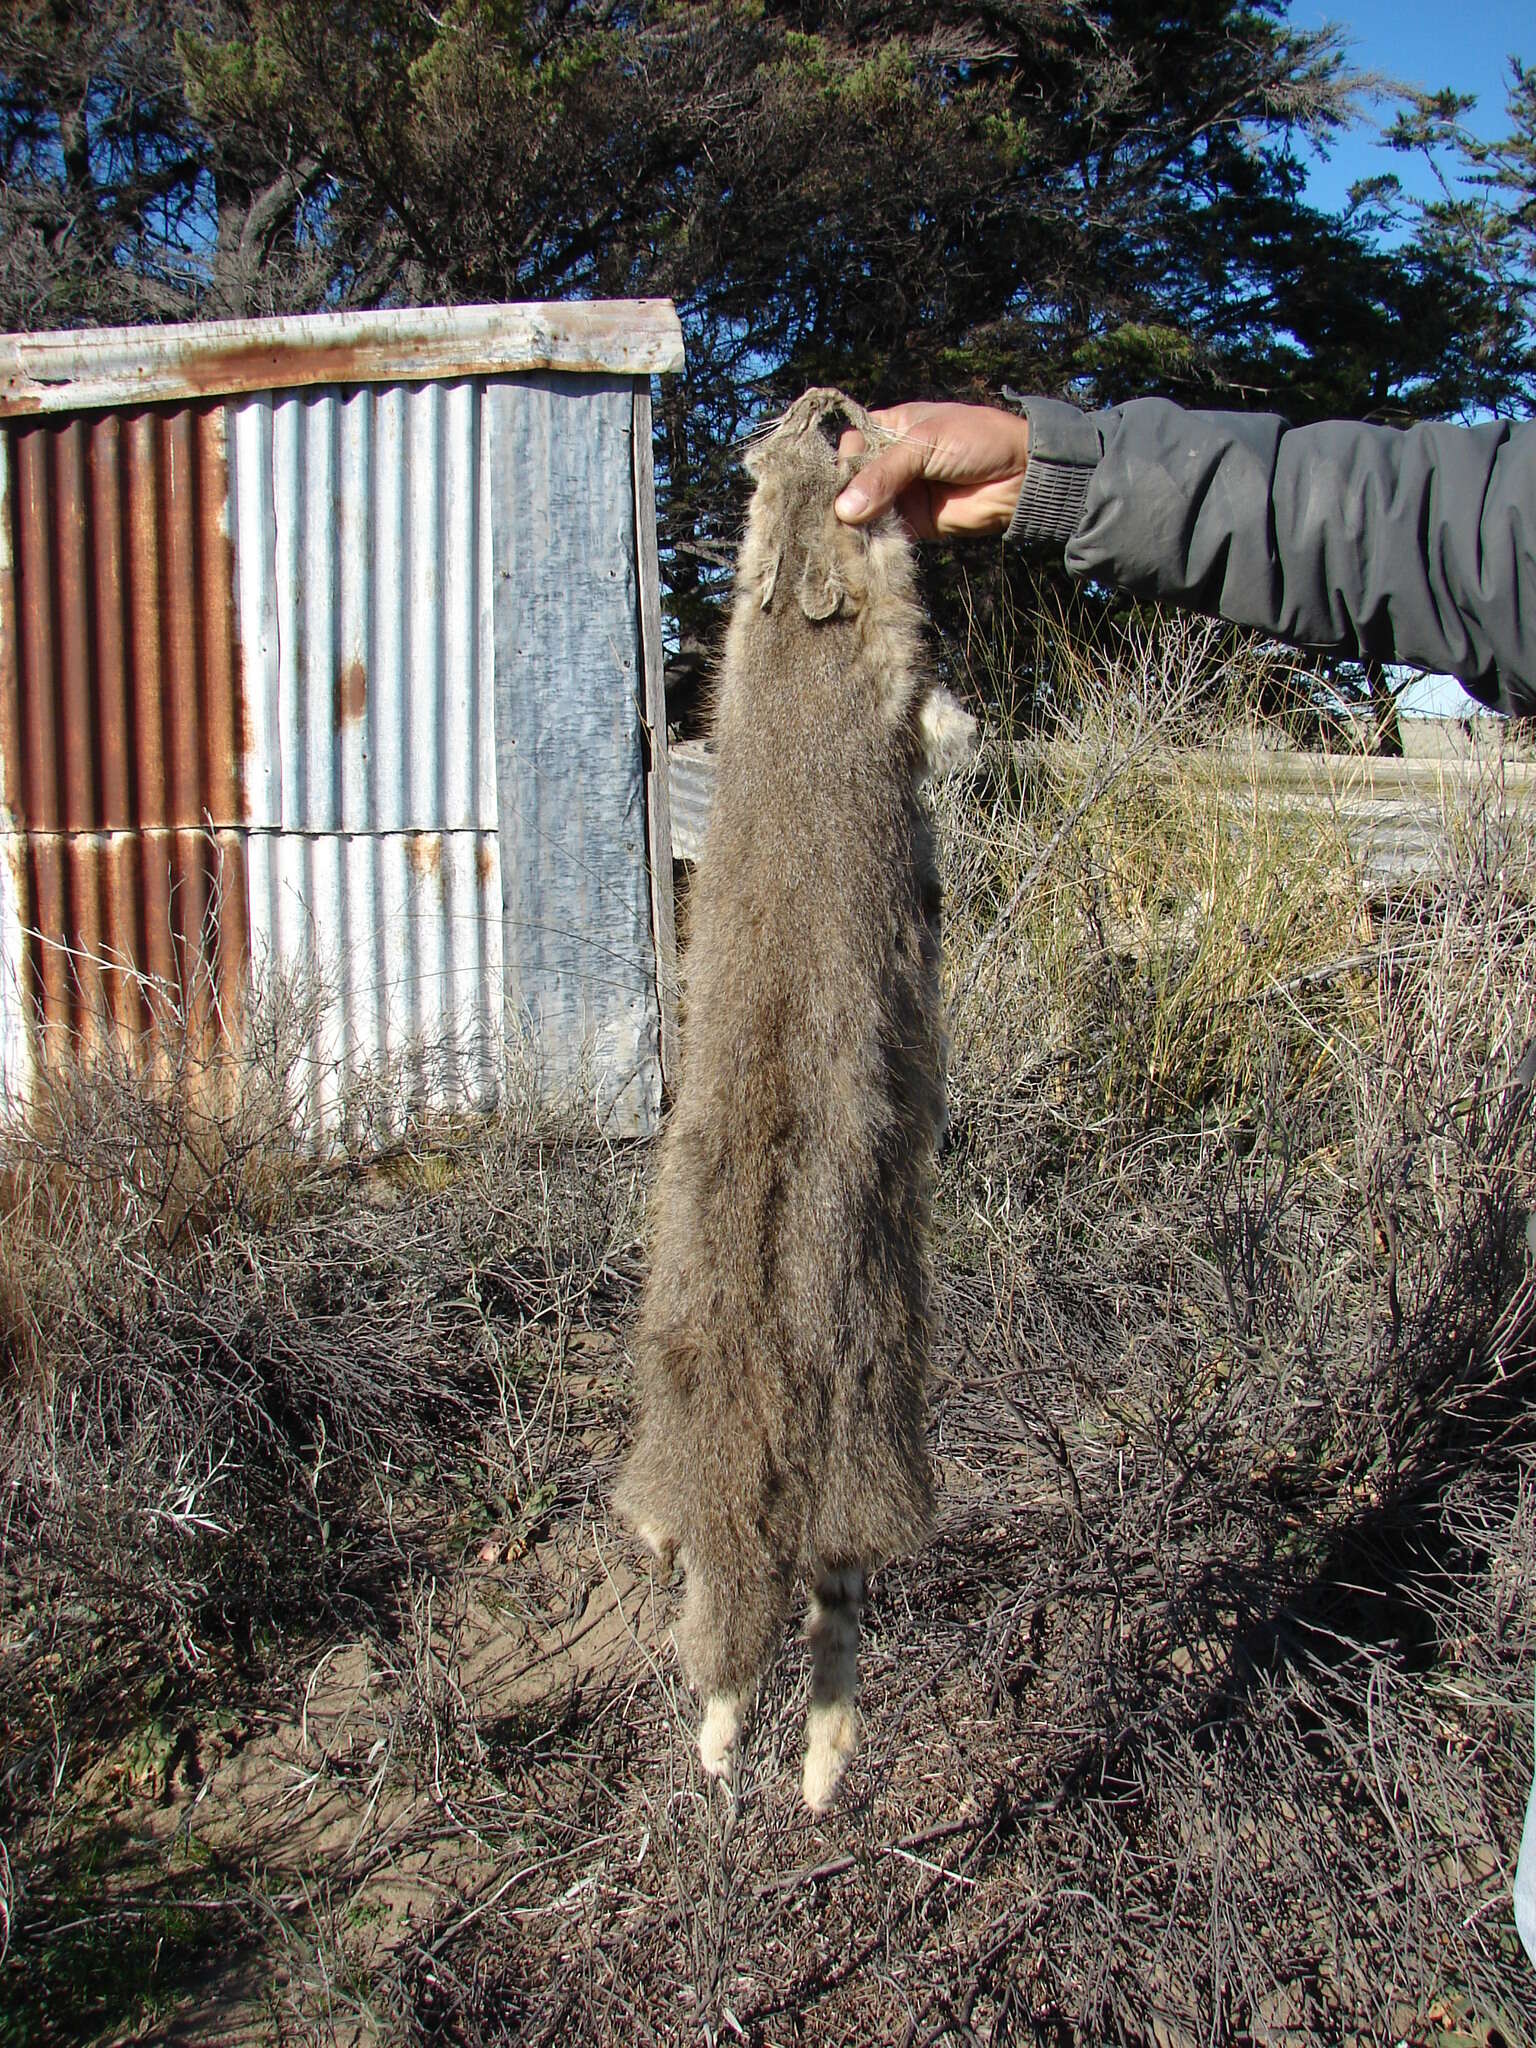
(1248, 1174)
(256, 1400)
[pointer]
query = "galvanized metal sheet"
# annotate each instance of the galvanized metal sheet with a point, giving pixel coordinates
(692, 768)
(570, 766)
(653, 694)
(111, 366)
(362, 527)
(13, 1030)
(384, 950)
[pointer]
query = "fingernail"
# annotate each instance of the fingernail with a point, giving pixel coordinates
(851, 503)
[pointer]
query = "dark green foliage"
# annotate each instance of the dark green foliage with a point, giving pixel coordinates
(1485, 223)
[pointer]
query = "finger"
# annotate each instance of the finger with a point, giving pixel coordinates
(896, 419)
(880, 483)
(900, 419)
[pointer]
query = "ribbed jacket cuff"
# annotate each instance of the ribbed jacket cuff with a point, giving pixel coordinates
(1064, 450)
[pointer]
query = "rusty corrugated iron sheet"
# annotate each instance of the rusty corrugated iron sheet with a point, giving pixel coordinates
(121, 732)
(137, 933)
(122, 703)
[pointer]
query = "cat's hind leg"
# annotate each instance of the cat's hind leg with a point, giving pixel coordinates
(831, 1725)
(731, 1620)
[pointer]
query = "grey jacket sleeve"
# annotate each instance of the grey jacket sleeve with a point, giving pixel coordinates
(1416, 546)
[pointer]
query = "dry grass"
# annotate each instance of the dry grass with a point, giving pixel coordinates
(255, 1406)
(1251, 1173)
(1204, 1718)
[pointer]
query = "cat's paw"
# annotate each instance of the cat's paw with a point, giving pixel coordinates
(661, 1546)
(831, 1737)
(719, 1734)
(950, 734)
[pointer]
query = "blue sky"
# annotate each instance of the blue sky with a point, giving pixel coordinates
(1423, 44)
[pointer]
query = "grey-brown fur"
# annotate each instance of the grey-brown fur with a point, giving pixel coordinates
(782, 1343)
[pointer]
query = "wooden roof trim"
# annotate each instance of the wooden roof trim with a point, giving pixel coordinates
(86, 368)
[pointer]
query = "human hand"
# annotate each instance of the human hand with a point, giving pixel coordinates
(956, 470)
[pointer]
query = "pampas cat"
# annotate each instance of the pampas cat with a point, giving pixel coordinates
(782, 1341)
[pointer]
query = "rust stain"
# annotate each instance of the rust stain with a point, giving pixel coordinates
(35, 795)
(182, 697)
(72, 679)
(113, 649)
(263, 366)
(228, 369)
(221, 669)
(424, 851)
(141, 542)
(213, 372)
(10, 700)
(484, 860)
(349, 695)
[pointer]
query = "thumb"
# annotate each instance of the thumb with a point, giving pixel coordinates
(880, 483)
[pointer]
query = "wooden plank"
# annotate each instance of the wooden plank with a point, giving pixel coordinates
(658, 793)
(108, 366)
(1343, 777)
(1390, 811)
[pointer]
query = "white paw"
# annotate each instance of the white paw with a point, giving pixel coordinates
(718, 1736)
(832, 1736)
(950, 735)
(659, 1544)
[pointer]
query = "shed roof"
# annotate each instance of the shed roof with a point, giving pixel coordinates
(113, 366)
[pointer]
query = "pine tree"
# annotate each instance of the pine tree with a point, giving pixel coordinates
(908, 200)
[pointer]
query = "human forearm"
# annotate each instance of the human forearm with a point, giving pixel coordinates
(1416, 546)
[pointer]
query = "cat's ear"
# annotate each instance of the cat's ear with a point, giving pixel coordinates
(770, 580)
(822, 588)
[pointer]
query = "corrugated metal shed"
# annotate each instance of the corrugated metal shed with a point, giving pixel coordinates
(340, 663)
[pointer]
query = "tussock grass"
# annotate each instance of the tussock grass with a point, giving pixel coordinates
(1138, 885)
(1206, 1716)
